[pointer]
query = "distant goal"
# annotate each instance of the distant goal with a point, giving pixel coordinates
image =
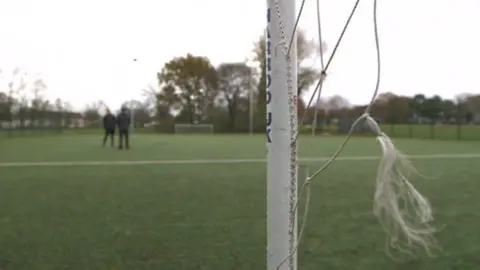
(193, 128)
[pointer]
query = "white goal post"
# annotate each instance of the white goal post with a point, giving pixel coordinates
(193, 128)
(282, 129)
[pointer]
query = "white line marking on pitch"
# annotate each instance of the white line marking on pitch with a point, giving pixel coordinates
(210, 161)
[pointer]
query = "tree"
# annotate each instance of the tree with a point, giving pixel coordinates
(417, 108)
(462, 98)
(433, 108)
(336, 106)
(59, 113)
(305, 51)
(379, 109)
(385, 97)
(449, 111)
(337, 102)
(189, 84)
(68, 109)
(58, 105)
(235, 81)
(166, 103)
(473, 103)
(5, 113)
(320, 103)
(306, 75)
(38, 89)
(17, 98)
(468, 106)
(91, 113)
(140, 111)
(316, 112)
(150, 99)
(38, 106)
(399, 110)
(392, 108)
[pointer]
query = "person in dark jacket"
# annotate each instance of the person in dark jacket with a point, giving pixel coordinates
(109, 127)
(123, 124)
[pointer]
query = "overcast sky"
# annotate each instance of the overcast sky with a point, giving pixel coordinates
(84, 49)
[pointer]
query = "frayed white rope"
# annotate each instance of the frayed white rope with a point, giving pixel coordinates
(408, 226)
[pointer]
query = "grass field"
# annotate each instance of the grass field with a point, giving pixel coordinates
(182, 202)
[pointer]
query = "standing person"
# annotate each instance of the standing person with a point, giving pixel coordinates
(123, 123)
(109, 127)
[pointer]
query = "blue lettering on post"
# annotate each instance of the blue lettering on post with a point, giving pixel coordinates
(268, 67)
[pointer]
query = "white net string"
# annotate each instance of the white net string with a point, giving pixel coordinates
(403, 212)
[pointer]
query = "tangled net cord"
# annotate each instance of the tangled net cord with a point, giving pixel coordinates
(392, 185)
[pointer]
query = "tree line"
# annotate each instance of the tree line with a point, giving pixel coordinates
(192, 90)
(23, 105)
(396, 109)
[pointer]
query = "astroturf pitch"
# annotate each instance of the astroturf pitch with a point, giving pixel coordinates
(198, 202)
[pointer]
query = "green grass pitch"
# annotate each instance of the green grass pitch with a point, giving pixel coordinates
(125, 213)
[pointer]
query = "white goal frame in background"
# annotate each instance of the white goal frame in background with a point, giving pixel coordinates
(206, 128)
(282, 128)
